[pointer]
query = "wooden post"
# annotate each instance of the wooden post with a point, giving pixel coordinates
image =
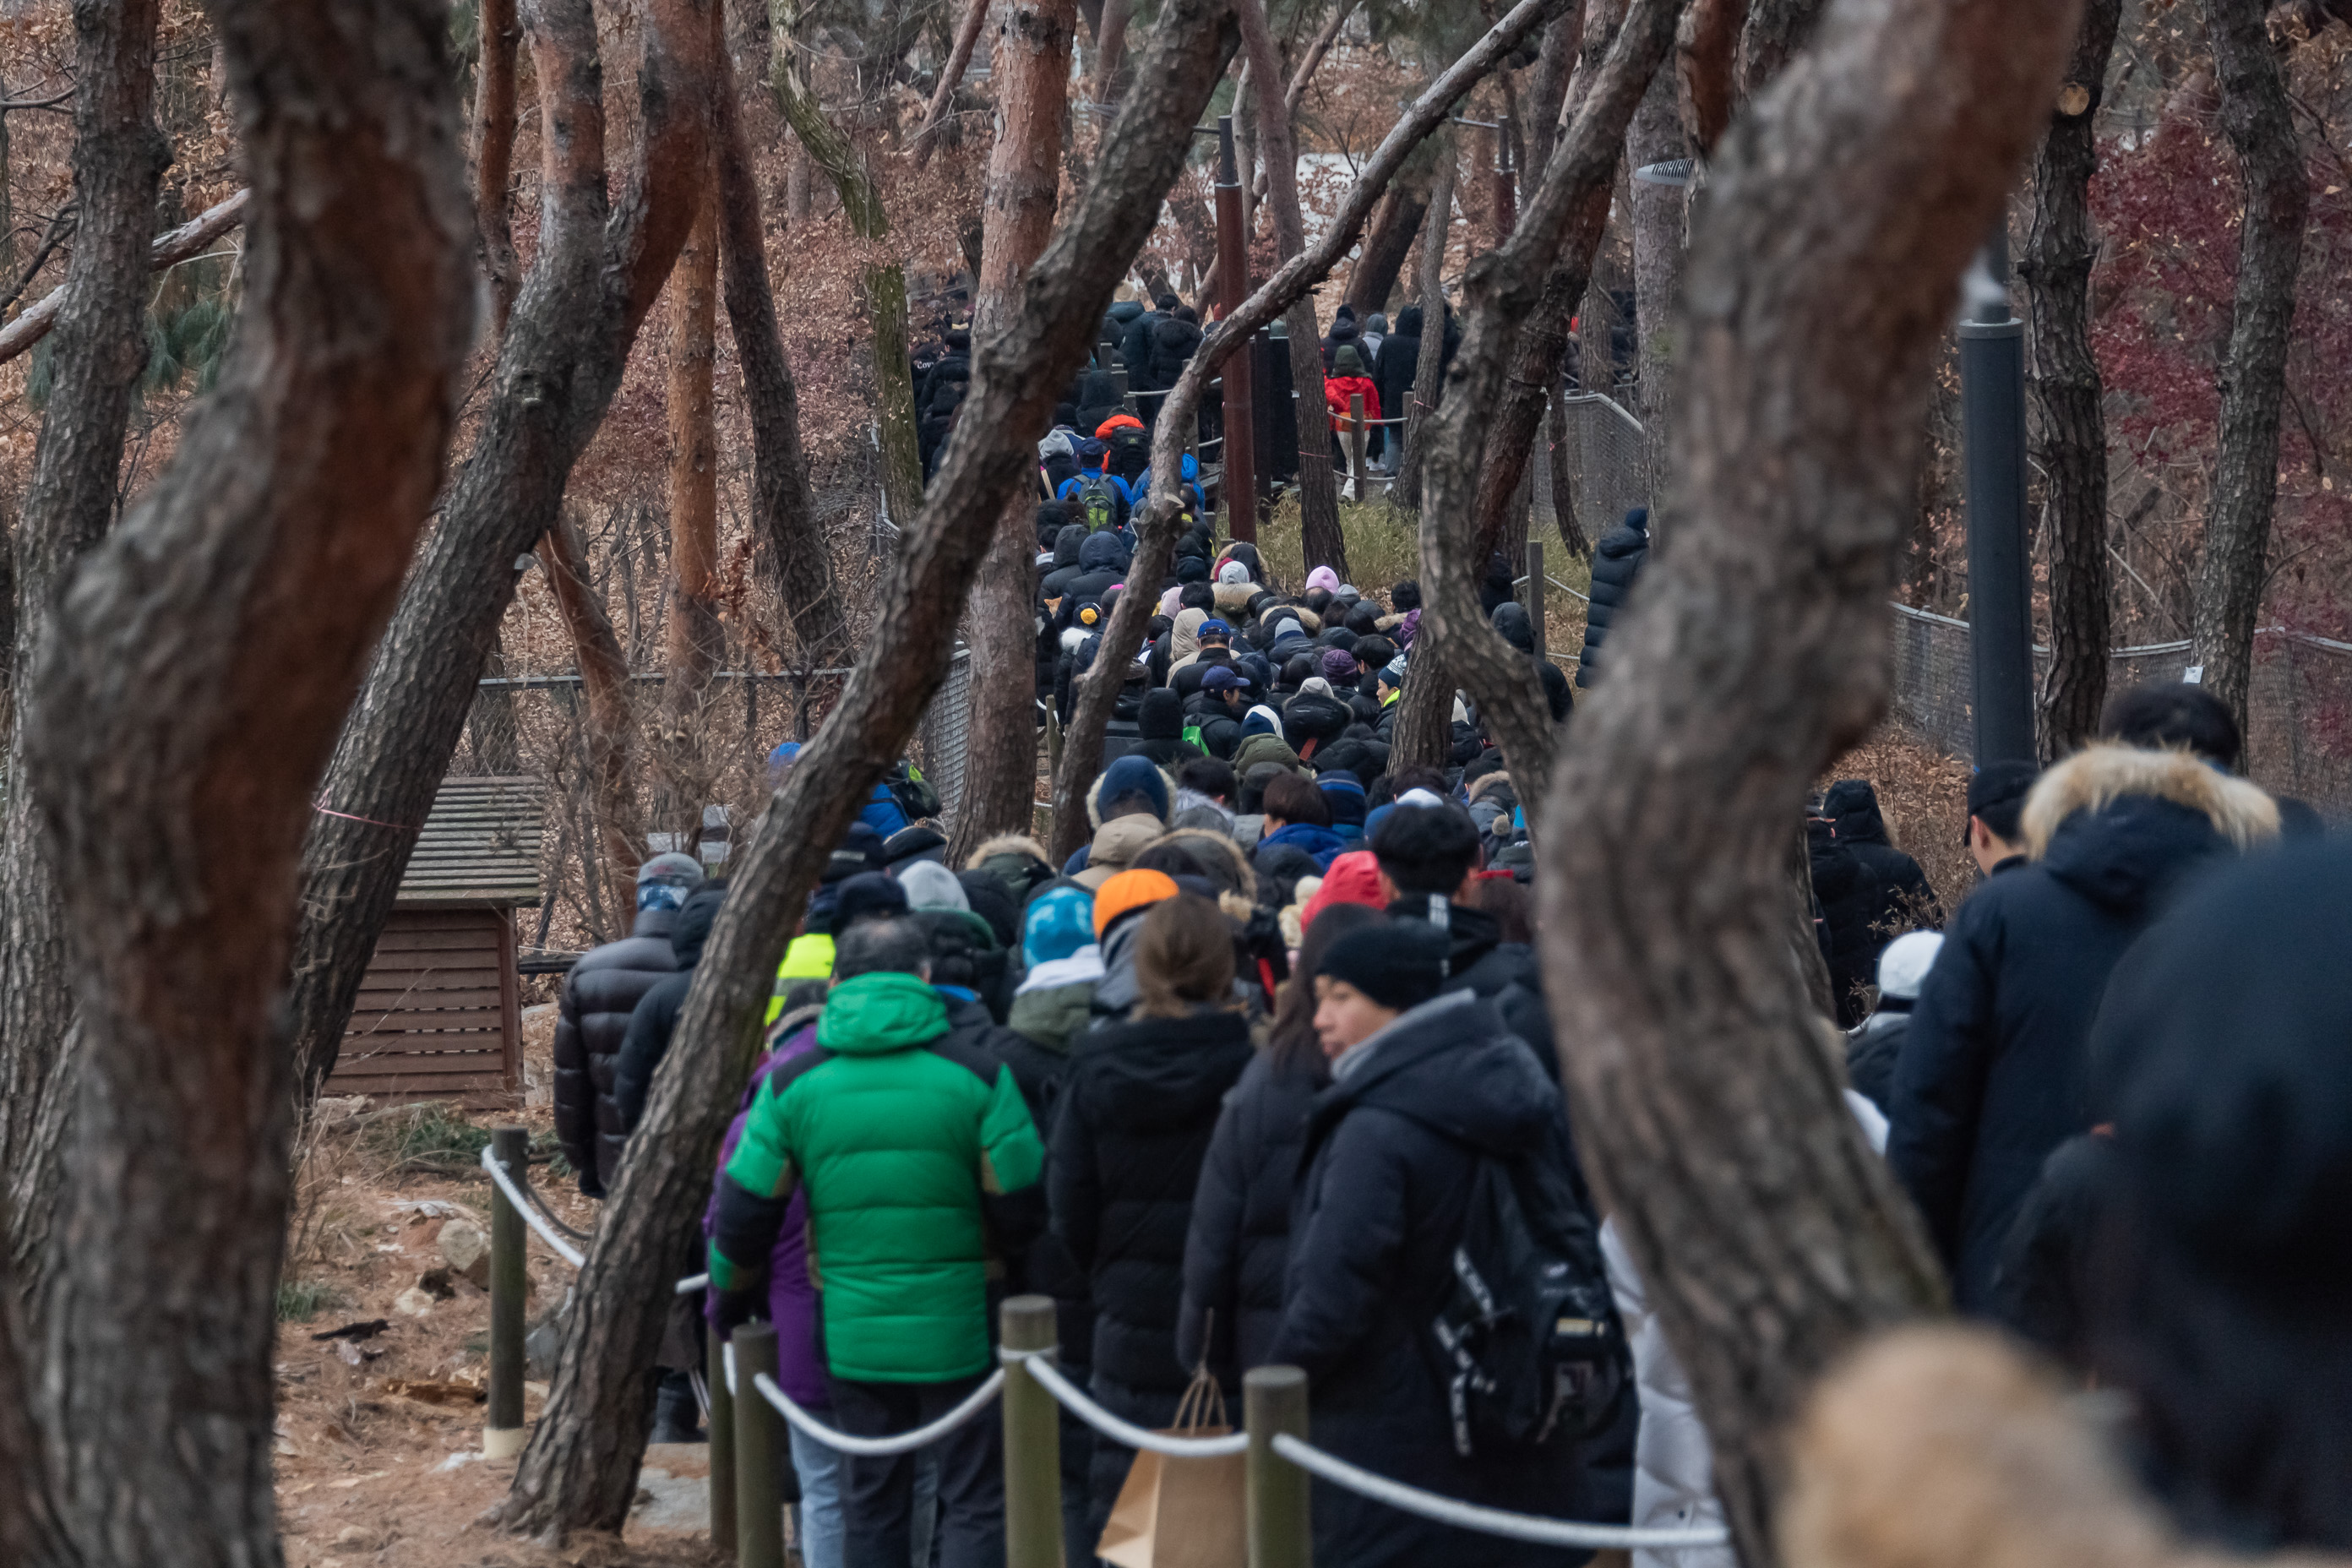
(502, 1428)
(1355, 440)
(759, 1512)
(722, 1445)
(1535, 585)
(1239, 454)
(1273, 1399)
(1032, 1443)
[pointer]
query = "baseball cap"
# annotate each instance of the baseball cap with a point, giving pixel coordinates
(1217, 630)
(1220, 678)
(665, 880)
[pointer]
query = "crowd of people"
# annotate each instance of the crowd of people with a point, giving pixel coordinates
(1264, 1074)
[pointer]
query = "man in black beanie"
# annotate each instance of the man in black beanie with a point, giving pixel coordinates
(1428, 1087)
(1997, 794)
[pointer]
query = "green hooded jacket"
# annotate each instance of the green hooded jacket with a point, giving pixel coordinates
(899, 1138)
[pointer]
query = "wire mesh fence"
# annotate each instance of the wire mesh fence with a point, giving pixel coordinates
(1607, 462)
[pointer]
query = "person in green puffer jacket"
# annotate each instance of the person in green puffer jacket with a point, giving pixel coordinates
(921, 1168)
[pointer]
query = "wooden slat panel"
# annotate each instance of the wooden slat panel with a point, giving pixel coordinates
(488, 1094)
(396, 969)
(440, 1018)
(423, 1064)
(429, 995)
(482, 939)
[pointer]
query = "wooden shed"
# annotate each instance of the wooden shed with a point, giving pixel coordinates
(439, 1012)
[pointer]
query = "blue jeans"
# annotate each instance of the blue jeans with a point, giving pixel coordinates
(820, 1532)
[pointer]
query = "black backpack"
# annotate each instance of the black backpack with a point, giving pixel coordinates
(913, 793)
(1528, 1335)
(1130, 452)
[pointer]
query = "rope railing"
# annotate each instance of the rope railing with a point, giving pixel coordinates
(523, 1207)
(1040, 1366)
(1532, 1528)
(868, 1447)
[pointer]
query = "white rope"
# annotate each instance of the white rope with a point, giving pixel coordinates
(693, 1282)
(1050, 1378)
(1486, 1521)
(564, 1249)
(904, 1442)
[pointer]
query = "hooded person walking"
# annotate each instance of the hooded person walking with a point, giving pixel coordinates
(1135, 1120)
(591, 1020)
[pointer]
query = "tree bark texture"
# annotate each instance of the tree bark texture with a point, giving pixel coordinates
(784, 511)
(1319, 540)
(195, 677)
(1110, 52)
(1390, 240)
(29, 1534)
(694, 637)
(1563, 480)
(1431, 282)
(2235, 563)
(935, 113)
(883, 285)
(599, 267)
(191, 238)
(1317, 48)
(580, 1470)
(1156, 533)
(1661, 223)
(1776, 30)
(610, 727)
(1031, 70)
(1500, 292)
(2067, 391)
(1707, 68)
(494, 139)
(1540, 359)
(1548, 88)
(1704, 1084)
(118, 158)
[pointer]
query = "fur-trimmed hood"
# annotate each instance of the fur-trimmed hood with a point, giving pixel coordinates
(1094, 795)
(1007, 844)
(1236, 878)
(1484, 784)
(2097, 776)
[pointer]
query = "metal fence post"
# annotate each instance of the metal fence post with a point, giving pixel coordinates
(1273, 1399)
(1033, 1442)
(1355, 439)
(759, 1512)
(722, 1444)
(503, 1433)
(1537, 583)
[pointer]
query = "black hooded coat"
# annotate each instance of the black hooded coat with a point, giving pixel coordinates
(1390, 1161)
(1870, 891)
(655, 1017)
(1136, 1112)
(1616, 562)
(591, 1020)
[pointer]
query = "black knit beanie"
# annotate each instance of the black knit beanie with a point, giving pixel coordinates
(1397, 963)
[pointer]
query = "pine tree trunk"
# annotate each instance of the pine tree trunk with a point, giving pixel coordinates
(1563, 481)
(1031, 70)
(1704, 1084)
(118, 158)
(227, 627)
(558, 368)
(494, 139)
(1389, 240)
(1502, 291)
(1321, 542)
(579, 1469)
(2059, 255)
(694, 639)
(1661, 221)
(1429, 282)
(784, 511)
(1775, 31)
(2235, 563)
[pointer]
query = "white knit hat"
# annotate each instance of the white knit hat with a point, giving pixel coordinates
(1903, 967)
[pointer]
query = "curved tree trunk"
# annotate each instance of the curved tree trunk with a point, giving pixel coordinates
(1389, 240)
(935, 113)
(226, 627)
(1321, 542)
(1032, 72)
(580, 1470)
(1082, 742)
(2059, 255)
(604, 685)
(1500, 292)
(494, 139)
(784, 512)
(1775, 32)
(1707, 68)
(558, 367)
(1703, 1085)
(117, 159)
(2235, 564)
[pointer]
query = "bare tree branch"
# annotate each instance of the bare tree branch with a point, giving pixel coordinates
(166, 250)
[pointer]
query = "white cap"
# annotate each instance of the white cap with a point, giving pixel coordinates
(1903, 967)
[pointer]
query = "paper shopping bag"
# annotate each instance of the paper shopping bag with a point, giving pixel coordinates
(1181, 1513)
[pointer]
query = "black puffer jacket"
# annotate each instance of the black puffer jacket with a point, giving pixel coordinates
(1174, 343)
(1870, 891)
(1995, 1074)
(1391, 1157)
(1873, 1049)
(1616, 562)
(591, 1019)
(1136, 1112)
(1067, 544)
(1240, 1242)
(1504, 974)
(655, 1018)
